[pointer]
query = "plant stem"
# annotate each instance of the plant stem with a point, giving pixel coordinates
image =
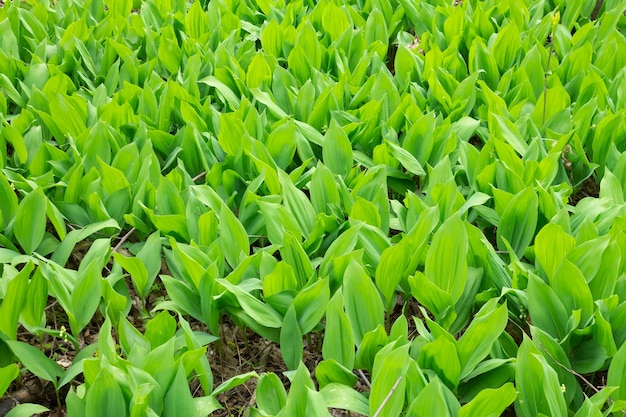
(388, 397)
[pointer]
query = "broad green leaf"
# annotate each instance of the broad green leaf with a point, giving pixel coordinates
(507, 47)
(297, 203)
(8, 201)
(232, 134)
(291, 345)
(30, 220)
(169, 52)
(26, 410)
(259, 72)
(389, 374)
(483, 331)
(338, 338)
(337, 150)
(234, 382)
(272, 39)
(373, 341)
(430, 401)
(362, 301)
(310, 304)
(441, 355)
(570, 285)
(105, 398)
(539, 390)
(196, 21)
(439, 302)
(160, 329)
(86, 297)
(408, 161)
(334, 21)
(14, 299)
(233, 237)
(552, 244)
(137, 271)
(271, 395)
(519, 221)
(296, 404)
(446, 263)
(281, 145)
(255, 308)
(616, 376)
(7, 375)
(399, 261)
(36, 301)
(330, 371)
(345, 398)
(282, 278)
(545, 308)
(36, 361)
(490, 402)
(293, 254)
(178, 400)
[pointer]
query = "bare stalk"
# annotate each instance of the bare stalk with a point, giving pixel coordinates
(123, 240)
(388, 397)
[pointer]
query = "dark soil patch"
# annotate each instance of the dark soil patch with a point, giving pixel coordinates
(589, 188)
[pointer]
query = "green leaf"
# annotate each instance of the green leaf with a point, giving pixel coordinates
(297, 203)
(539, 390)
(296, 404)
(546, 309)
(446, 263)
(330, 371)
(26, 410)
(291, 345)
(86, 297)
(14, 299)
(552, 244)
(338, 338)
(30, 220)
(616, 376)
(490, 402)
(334, 21)
(169, 52)
(7, 375)
(270, 393)
(233, 237)
(362, 301)
(337, 150)
(137, 271)
(196, 21)
(345, 398)
(104, 397)
(8, 201)
(483, 331)
(310, 304)
(255, 308)
(571, 287)
(519, 221)
(234, 382)
(388, 378)
(430, 401)
(178, 400)
(36, 361)
(259, 72)
(160, 329)
(373, 341)
(439, 302)
(281, 145)
(441, 355)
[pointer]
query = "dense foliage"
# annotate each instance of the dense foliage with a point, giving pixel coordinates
(405, 179)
